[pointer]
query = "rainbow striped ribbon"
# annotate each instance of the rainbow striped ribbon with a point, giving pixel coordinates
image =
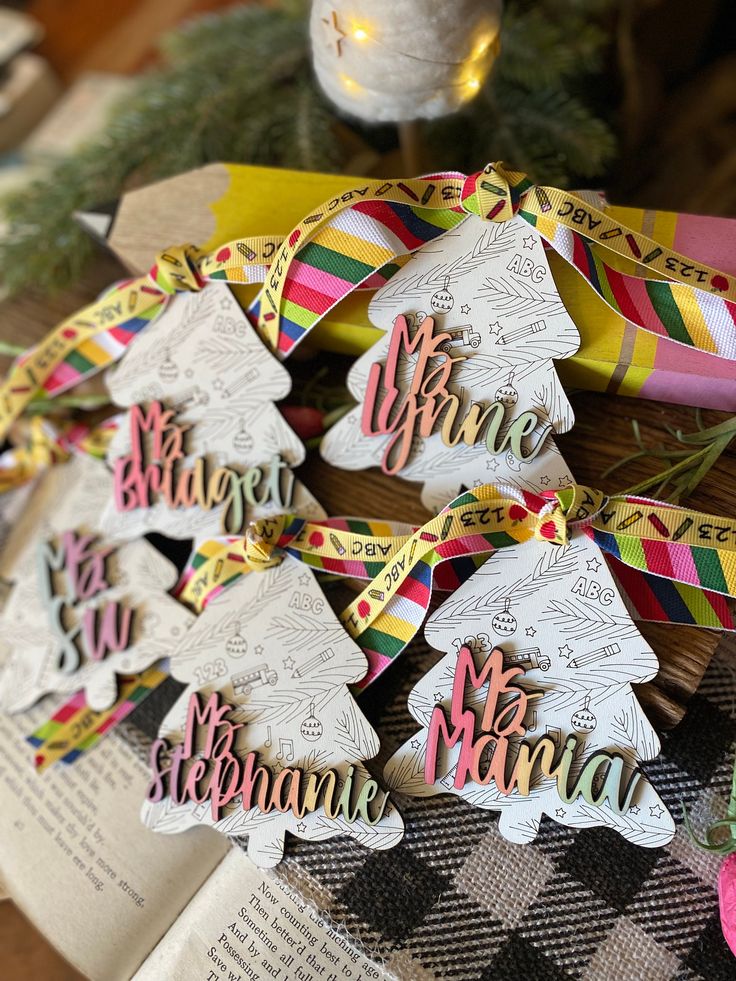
(678, 565)
(44, 445)
(344, 243)
(75, 728)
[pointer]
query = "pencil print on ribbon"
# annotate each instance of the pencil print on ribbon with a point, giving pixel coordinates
(531, 710)
(202, 448)
(462, 388)
(266, 738)
(83, 613)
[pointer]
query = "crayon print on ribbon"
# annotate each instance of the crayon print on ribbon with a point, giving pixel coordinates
(75, 728)
(681, 563)
(342, 244)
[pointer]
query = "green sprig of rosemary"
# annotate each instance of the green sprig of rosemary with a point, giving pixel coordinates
(686, 467)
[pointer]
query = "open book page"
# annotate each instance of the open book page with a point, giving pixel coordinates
(77, 860)
(249, 925)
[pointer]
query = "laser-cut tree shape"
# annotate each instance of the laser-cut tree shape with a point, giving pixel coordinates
(556, 612)
(490, 287)
(275, 650)
(203, 358)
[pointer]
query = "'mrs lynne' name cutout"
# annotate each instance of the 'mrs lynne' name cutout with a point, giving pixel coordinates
(98, 630)
(427, 404)
(484, 750)
(163, 475)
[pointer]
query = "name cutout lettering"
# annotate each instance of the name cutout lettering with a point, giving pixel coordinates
(100, 629)
(218, 774)
(138, 481)
(484, 750)
(428, 403)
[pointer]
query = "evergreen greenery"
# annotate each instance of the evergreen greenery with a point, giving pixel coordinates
(238, 87)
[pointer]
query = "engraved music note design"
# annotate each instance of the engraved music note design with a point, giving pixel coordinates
(286, 750)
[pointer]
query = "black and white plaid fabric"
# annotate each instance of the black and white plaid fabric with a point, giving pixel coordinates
(457, 901)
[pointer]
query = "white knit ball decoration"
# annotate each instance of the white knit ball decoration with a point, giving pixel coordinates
(398, 60)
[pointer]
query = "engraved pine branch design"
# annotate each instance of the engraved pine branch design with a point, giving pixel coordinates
(582, 621)
(299, 631)
(554, 564)
(354, 736)
(509, 296)
(495, 241)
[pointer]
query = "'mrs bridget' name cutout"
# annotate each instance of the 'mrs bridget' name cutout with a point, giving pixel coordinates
(138, 481)
(101, 629)
(218, 774)
(484, 755)
(428, 403)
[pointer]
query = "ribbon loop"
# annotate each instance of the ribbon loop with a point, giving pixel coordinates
(176, 270)
(494, 193)
(261, 540)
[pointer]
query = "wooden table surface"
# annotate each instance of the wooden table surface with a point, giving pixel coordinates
(602, 435)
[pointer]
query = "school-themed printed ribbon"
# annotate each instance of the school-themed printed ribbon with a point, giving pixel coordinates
(75, 728)
(42, 445)
(345, 242)
(687, 560)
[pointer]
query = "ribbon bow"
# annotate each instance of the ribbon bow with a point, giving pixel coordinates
(346, 244)
(651, 540)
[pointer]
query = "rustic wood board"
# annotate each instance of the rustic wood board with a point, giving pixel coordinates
(602, 435)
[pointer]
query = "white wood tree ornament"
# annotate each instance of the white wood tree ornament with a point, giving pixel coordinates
(556, 613)
(278, 654)
(37, 658)
(489, 287)
(203, 359)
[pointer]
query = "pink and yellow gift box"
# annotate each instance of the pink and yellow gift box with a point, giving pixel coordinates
(221, 202)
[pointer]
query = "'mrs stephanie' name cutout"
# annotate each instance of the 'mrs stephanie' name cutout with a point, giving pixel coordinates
(206, 767)
(428, 404)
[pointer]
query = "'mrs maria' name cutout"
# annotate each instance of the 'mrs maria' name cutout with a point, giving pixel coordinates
(140, 481)
(485, 756)
(428, 404)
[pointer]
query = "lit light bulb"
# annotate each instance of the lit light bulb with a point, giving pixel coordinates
(349, 84)
(482, 46)
(360, 35)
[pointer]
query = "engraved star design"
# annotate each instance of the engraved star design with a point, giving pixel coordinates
(531, 632)
(656, 811)
(560, 813)
(288, 663)
(301, 827)
(564, 482)
(465, 309)
(529, 242)
(565, 651)
(258, 650)
(495, 329)
(438, 696)
(415, 744)
(492, 464)
(334, 34)
(635, 809)
(225, 302)
(593, 565)
(544, 480)
(477, 483)
(304, 580)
